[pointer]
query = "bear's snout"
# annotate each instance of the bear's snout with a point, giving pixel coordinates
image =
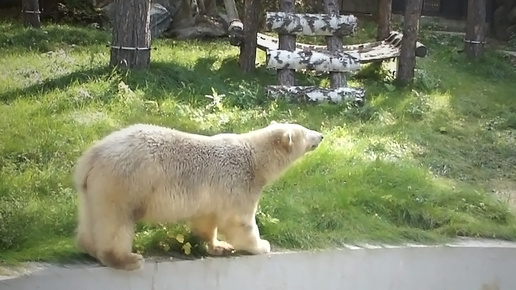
(315, 139)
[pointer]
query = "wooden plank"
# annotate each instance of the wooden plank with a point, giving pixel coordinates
(367, 52)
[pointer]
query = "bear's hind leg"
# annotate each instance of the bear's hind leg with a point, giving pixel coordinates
(85, 239)
(114, 231)
(206, 228)
(242, 232)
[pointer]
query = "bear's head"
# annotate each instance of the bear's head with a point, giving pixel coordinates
(294, 139)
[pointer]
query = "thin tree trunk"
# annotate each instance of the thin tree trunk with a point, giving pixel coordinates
(384, 19)
(407, 58)
(247, 56)
(31, 13)
(334, 43)
(131, 34)
(286, 77)
(475, 29)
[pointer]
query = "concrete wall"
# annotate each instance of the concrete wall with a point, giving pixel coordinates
(468, 265)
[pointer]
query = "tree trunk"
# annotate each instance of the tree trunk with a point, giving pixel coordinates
(475, 29)
(248, 47)
(384, 19)
(407, 58)
(31, 13)
(299, 94)
(286, 77)
(131, 34)
(334, 43)
(328, 61)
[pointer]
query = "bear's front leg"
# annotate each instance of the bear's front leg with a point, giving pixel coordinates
(242, 232)
(205, 227)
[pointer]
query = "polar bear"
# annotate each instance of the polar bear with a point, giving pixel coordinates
(158, 174)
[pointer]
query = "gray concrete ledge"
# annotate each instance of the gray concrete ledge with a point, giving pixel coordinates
(465, 265)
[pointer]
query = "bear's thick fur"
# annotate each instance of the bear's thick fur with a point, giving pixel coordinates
(157, 174)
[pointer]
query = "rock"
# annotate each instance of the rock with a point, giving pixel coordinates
(512, 16)
(204, 27)
(510, 32)
(160, 18)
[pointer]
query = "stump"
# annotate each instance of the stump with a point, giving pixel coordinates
(287, 41)
(384, 19)
(131, 40)
(334, 43)
(475, 29)
(247, 57)
(407, 58)
(31, 13)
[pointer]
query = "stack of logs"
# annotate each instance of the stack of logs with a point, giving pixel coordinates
(504, 19)
(286, 59)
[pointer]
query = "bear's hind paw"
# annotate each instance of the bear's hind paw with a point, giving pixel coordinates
(220, 248)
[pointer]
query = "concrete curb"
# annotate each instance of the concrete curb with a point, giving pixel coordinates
(465, 265)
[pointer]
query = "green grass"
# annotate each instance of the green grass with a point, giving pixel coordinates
(418, 164)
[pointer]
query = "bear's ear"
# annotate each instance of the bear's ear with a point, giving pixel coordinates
(273, 122)
(283, 140)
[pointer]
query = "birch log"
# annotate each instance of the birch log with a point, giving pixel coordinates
(311, 24)
(315, 94)
(312, 60)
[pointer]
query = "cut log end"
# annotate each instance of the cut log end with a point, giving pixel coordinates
(300, 94)
(236, 33)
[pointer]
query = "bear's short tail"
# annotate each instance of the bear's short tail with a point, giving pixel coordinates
(81, 172)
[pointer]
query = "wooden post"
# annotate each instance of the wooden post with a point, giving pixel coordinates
(236, 29)
(247, 56)
(407, 58)
(286, 77)
(475, 29)
(131, 34)
(384, 19)
(334, 43)
(31, 13)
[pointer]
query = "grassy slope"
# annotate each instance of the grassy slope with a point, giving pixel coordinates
(413, 165)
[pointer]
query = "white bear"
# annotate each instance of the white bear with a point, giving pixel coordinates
(158, 174)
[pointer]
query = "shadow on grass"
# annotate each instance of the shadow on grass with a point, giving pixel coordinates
(15, 37)
(60, 83)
